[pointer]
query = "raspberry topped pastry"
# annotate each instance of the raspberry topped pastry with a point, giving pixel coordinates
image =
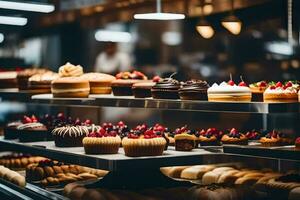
(102, 142)
(142, 141)
(229, 92)
(258, 90)
(210, 137)
(234, 137)
(275, 138)
(185, 140)
(279, 92)
(253, 135)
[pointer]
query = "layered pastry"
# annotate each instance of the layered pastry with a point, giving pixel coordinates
(125, 80)
(19, 161)
(275, 138)
(210, 137)
(146, 143)
(69, 136)
(11, 131)
(184, 141)
(194, 90)
(253, 135)
(70, 70)
(41, 83)
(143, 89)
(297, 143)
(12, 176)
(166, 88)
(8, 80)
(31, 130)
(24, 75)
(281, 92)
(102, 142)
(73, 87)
(229, 92)
(258, 90)
(234, 137)
(99, 83)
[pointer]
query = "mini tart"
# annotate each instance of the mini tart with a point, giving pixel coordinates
(241, 139)
(99, 83)
(69, 136)
(184, 142)
(228, 93)
(101, 145)
(205, 140)
(135, 147)
(72, 87)
(270, 141)
(297, 144)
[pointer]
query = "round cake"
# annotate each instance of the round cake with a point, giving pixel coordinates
(11, 131)
(166, 88)
(194, 90)
(226, 92)
(42, 82)
(69, 136)
(73, 87)
(32, 130)
(69, 70)
(102, 142)
(99, 83)
(281, 93)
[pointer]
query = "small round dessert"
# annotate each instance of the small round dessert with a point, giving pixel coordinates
(258, 90)
(69, 136)
(270, 140)
(24, 75)
(147, 144)
(210, 137)
(234, 137)
(297, 144)
(8, 80)
(70, 87)
(166, 88)
(143, 89)
(41, 83)
(253, 135)
(102, 142)
(99, 83)
(11, 131)
(183, 140)
(194, 90)
(69, 70)
(229, 92)
(281, 93)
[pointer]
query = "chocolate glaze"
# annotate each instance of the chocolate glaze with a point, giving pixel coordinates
(167, 83)
(195, 85)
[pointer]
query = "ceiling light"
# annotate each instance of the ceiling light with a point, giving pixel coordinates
(17, 21)
(1, 37)
(33, 7)
(171, 38)
(204, 29)
(112, 36)
(159, 15)
(232, 23)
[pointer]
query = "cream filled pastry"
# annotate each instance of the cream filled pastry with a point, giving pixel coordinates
(70, 87)
(228, 92)
(68, 70)
(279, 92)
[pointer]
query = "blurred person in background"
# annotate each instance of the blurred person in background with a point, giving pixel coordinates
(112, 61)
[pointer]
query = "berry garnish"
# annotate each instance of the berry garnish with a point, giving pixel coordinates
(26, 120)
(278, 84)
(34, 119)
(156, 79)
(121, 124)
(289, 84)
(87, 122)
(61, 116)
(272, 87)
(231, 82)
(263, 84)
(242, 83)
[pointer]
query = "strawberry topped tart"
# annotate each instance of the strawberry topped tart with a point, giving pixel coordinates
(229, 92)
(234, 137)
(280, 92)
(258, 90)
(210, 137)
(143, 141)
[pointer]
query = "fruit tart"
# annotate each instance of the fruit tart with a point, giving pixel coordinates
(271, 139)
(102, 142)
(210, 137)
(143, 142)
(280, 92)
(258, 90)
(234, 137)
(184, 140)
(253, 135)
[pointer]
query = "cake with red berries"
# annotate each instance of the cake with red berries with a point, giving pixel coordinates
(258, 90)
(143, 142)
(234, 137)
(31, 130)
(253, 135)
(210, 137)
(194, 90)
(11, 131)
(102, 142)
(279, 92)
(297, 143)
(69, 136)
(184, 140)
(229, 92)
(166, 88)
(125, 80)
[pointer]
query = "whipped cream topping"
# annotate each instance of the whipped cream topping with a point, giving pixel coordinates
(226, 88)
(70, 70)
(281, 90)
(72, 131)
(30, 125)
